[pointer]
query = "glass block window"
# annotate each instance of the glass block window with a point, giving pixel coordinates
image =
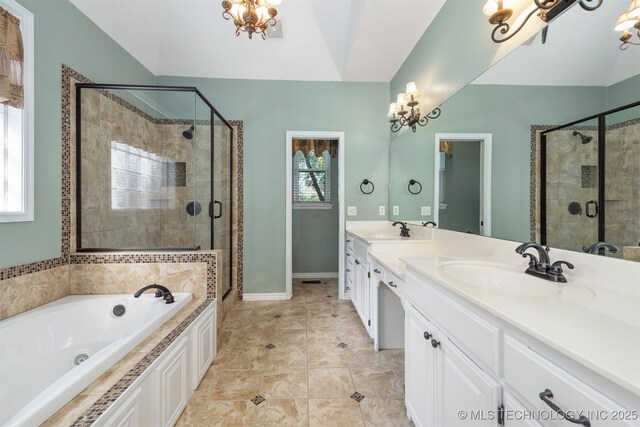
(137, 178)
(311, 180)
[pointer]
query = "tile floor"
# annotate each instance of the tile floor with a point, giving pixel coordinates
(303, 362)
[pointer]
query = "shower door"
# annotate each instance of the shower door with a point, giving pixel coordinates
(222, 209)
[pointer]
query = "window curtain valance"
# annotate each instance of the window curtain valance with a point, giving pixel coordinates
(447, 148)
(318, 145)
(11, 60)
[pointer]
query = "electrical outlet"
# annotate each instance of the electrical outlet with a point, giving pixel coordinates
(352, 210)
(425, 210)
(396, 210)
(381, 210)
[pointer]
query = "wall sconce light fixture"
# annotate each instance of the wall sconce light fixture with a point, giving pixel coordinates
(501, 14)
(365, 182)
(628, 19)
(406, 110)
(251, 16)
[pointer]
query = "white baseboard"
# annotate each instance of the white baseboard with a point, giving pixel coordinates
(316, 275)
(276, 296)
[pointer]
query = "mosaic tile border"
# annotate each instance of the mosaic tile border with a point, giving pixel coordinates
(111, 395)
(238, 177)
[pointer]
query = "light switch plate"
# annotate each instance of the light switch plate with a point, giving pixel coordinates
(396, 210)
(381, 210)
(352, 210)
(425, 210)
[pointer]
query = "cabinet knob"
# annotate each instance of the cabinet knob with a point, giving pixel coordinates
(348, 241)
(427, 335)
(435, 343)
(375, 270)
(348, 288)
(348, 270)
(392, 285)
(348, 254)
(357, 262)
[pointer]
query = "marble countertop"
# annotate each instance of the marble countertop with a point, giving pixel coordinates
(598, 327)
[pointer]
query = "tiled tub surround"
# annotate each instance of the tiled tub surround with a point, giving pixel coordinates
(50, 338)
(608, 308)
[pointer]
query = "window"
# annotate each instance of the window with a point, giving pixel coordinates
(312, 180)
(137, 178)
(16, 124)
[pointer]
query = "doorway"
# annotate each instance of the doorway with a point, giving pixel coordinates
(462, 182)
(315, 219)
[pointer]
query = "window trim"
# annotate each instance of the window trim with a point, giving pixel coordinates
(28, 122)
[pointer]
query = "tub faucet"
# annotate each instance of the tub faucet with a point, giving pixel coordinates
(433, 224)
(541, 267)
(593, 249)
(404, 231)
(161, 291)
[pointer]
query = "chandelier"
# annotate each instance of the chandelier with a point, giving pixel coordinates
(406, 111)
(501, 12)
(251, 16)
(628, 19)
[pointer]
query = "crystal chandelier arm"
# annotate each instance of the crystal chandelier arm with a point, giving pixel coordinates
(503, 28)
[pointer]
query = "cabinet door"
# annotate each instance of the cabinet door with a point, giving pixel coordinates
(366, 297)
(465, 393)
(172, 384)
(203, 341)
(374, 285)
(127, 414)
(420, 364)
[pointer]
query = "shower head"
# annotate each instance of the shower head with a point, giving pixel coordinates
(188, 134)
(585, 139)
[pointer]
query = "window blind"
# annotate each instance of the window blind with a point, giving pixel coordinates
(312, 178)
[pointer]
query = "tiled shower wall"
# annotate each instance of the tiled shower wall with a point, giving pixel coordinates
(28, 286)
(572, 175)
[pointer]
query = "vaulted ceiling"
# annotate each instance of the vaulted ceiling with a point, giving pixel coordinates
(324, 40)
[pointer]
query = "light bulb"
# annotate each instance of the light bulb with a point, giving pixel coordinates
(624, 22)
(490, 7)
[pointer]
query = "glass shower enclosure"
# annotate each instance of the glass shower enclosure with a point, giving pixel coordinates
(153, 171)
(590, 189)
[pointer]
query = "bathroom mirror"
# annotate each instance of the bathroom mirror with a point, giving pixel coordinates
(571, 75)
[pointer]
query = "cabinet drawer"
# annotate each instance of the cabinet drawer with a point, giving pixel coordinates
(395, 284)
(476, 336)
(530, 374)
(379, 270)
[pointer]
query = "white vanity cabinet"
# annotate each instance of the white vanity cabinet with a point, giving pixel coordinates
(444, 387)
(358, 275)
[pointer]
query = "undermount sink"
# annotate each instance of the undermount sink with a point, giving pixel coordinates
(511, 280)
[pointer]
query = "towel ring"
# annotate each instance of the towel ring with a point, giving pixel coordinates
(414, 182)
(366, 182)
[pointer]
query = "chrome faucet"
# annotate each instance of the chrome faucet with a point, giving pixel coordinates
(593, 249)
(542, 267)
(404, 231)
(424, 224)
(161, 291)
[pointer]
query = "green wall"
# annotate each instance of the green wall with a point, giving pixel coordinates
(269, 109)
(63, 35)
(507, 112)
(315, 234)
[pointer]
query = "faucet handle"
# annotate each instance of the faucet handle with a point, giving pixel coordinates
(159, 294)
(556, 267)
(533, 261)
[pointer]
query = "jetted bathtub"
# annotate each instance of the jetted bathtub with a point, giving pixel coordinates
(50, 354)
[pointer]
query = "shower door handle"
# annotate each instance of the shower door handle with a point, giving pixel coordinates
(216, 202)
(588, 208)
